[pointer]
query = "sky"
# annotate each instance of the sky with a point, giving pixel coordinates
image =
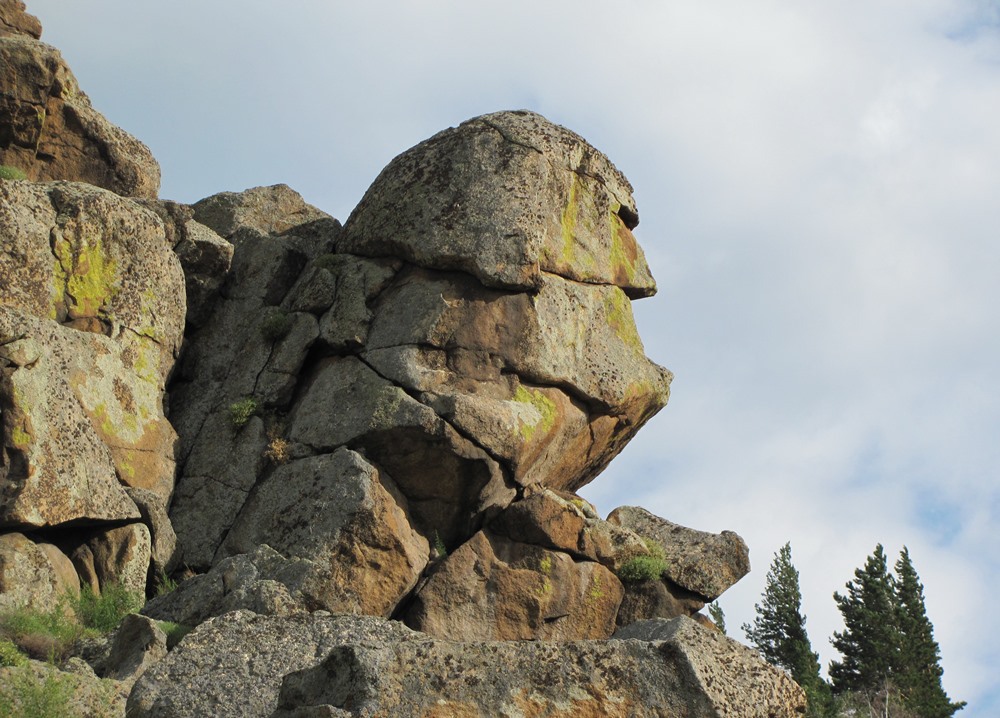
(818, 187)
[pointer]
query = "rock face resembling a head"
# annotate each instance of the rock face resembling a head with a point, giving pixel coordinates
(506, 197)
(468, 334)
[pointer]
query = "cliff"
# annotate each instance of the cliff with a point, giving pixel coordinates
(354, 447)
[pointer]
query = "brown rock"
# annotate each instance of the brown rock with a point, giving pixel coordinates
(491, 588)
(52, 132)
(549, 520)
(645, 600)
(703, 563)
(15, 21)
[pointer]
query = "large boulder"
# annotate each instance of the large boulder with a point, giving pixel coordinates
(232, 666)
(506, 197)
(684, 670)
(49, 129)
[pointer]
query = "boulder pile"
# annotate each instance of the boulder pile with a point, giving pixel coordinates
(355, 447)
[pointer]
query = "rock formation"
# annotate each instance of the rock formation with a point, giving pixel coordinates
(367, 472)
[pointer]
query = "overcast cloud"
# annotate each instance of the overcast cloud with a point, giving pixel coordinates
(819, 193)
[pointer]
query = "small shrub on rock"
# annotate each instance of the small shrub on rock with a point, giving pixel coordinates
(12, 173)
(645, 567)
(10, 654)
(241, 411)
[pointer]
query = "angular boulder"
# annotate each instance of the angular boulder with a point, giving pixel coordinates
(495, 589)
(703, 563)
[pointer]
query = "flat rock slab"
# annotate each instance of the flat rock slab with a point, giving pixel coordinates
(689, 671)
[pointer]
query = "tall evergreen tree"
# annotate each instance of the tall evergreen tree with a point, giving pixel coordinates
(870, 640)
(779, 631)
(717, 615)
(919, 669)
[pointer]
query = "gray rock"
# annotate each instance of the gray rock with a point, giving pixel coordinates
(505, 197)
(646, 600)
(233, 665)
(266, 210)
(33, 574)
(340, 512)
(703, 563)
(135, 645)
(687, 671)
(262, 581)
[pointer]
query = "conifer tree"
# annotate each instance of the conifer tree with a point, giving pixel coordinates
(919, 669)
(779, 631)
(717, 615)
(870, 640)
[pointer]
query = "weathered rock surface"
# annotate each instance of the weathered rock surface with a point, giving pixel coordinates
(48, 127)
(505, 197)
(492, 588)
(685, 671)
(568, 524)
(703, 563)
(15, 21)
(645, 600)
(35, 574)
(233, 665)
(264, 210)
(262, 581)
(91, 320)
(136, 644)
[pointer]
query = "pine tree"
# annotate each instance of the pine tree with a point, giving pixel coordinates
(919, 670)
(717, 615)
(870, 640)
(779, 631)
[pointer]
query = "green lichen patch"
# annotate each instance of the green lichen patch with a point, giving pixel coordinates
(624, 252)
(544, 407)
(618, 311)
(89, 276)
(241, 411)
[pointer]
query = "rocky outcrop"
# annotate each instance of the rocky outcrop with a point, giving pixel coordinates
(14, 21)
(91, 321)
(461, 391)
(49, 129)
(386, 420)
